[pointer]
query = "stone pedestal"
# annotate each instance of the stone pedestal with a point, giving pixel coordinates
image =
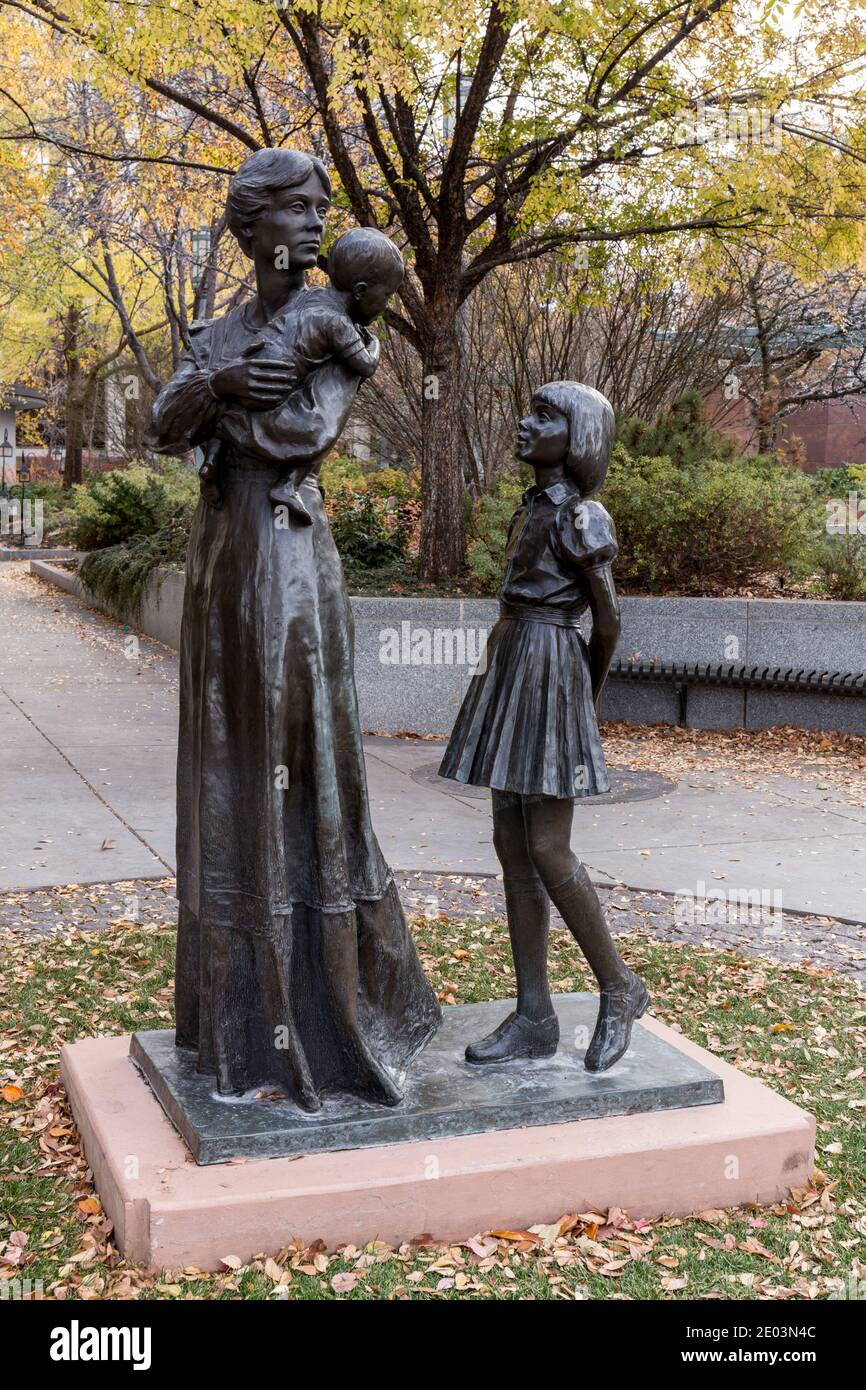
(443, 1095)
(169, 1211)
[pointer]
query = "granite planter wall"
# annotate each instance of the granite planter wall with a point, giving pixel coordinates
(160, 612)
(414, 657)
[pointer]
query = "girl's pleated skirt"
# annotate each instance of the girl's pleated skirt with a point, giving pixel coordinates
(528, 724)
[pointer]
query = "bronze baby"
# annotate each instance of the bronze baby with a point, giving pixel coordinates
(365, 268)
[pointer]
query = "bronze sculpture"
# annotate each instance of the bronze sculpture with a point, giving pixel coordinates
(295, 965)
(365, 269)
(528, 726)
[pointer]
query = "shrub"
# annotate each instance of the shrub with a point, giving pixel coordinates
(722, 524)
(119, 574)
(841, 565)
(399, 483)
(132, 521)
(136, 501)
(369, 532)
(340, 475)
(716, 525)
(838, 482)
(680, 434)
(374, 515)
(488, 532)
(51, 493)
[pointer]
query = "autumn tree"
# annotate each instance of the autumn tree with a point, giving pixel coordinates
(106, 264)
(793, 340)
(496, 132)
(556, 121)
(630, 323)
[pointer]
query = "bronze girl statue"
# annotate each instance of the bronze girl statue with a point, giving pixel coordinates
(528, 726)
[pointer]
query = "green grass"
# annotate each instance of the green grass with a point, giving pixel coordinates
(799, 1030)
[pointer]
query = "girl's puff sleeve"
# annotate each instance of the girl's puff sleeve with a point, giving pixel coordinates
(586, 535)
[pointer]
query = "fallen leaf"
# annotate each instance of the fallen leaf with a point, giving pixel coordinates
(482, 1246)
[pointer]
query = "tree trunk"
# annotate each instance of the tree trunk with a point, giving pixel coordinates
(442, 551)
(768, 423)
(765, 415)
(73, 461)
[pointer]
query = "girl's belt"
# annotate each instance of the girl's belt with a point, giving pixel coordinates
(539, 613)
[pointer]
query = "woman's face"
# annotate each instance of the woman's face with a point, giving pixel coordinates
(542, 436)
(290, 231)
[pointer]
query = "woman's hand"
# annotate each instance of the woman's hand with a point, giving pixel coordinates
(253, 382)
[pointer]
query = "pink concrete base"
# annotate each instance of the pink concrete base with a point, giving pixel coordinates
(168, 1212)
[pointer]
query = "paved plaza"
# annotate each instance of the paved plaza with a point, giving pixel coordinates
(89, 720)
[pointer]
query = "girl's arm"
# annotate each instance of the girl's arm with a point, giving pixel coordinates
(604, 607)
(587, 544)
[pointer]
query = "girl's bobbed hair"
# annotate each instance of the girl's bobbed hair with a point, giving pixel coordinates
(590, 430)
(261, 176)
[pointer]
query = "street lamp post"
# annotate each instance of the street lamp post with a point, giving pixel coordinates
(6, 452)
(200, 247)
(23, 478)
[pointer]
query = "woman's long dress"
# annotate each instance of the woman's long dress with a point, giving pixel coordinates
(295, 965)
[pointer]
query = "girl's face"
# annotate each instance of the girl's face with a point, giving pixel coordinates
(542, 436)
(293, 224)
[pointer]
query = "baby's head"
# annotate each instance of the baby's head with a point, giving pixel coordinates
(571, 423)
(365, 263)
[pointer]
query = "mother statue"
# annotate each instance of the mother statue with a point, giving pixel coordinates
(295, 965)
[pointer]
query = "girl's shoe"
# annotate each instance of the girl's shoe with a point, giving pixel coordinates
(516, 1037)
(618, 1008)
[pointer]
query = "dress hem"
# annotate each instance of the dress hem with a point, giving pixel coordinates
(581, 795)
(285, 909)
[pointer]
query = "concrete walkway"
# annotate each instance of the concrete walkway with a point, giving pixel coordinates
(89, 716)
